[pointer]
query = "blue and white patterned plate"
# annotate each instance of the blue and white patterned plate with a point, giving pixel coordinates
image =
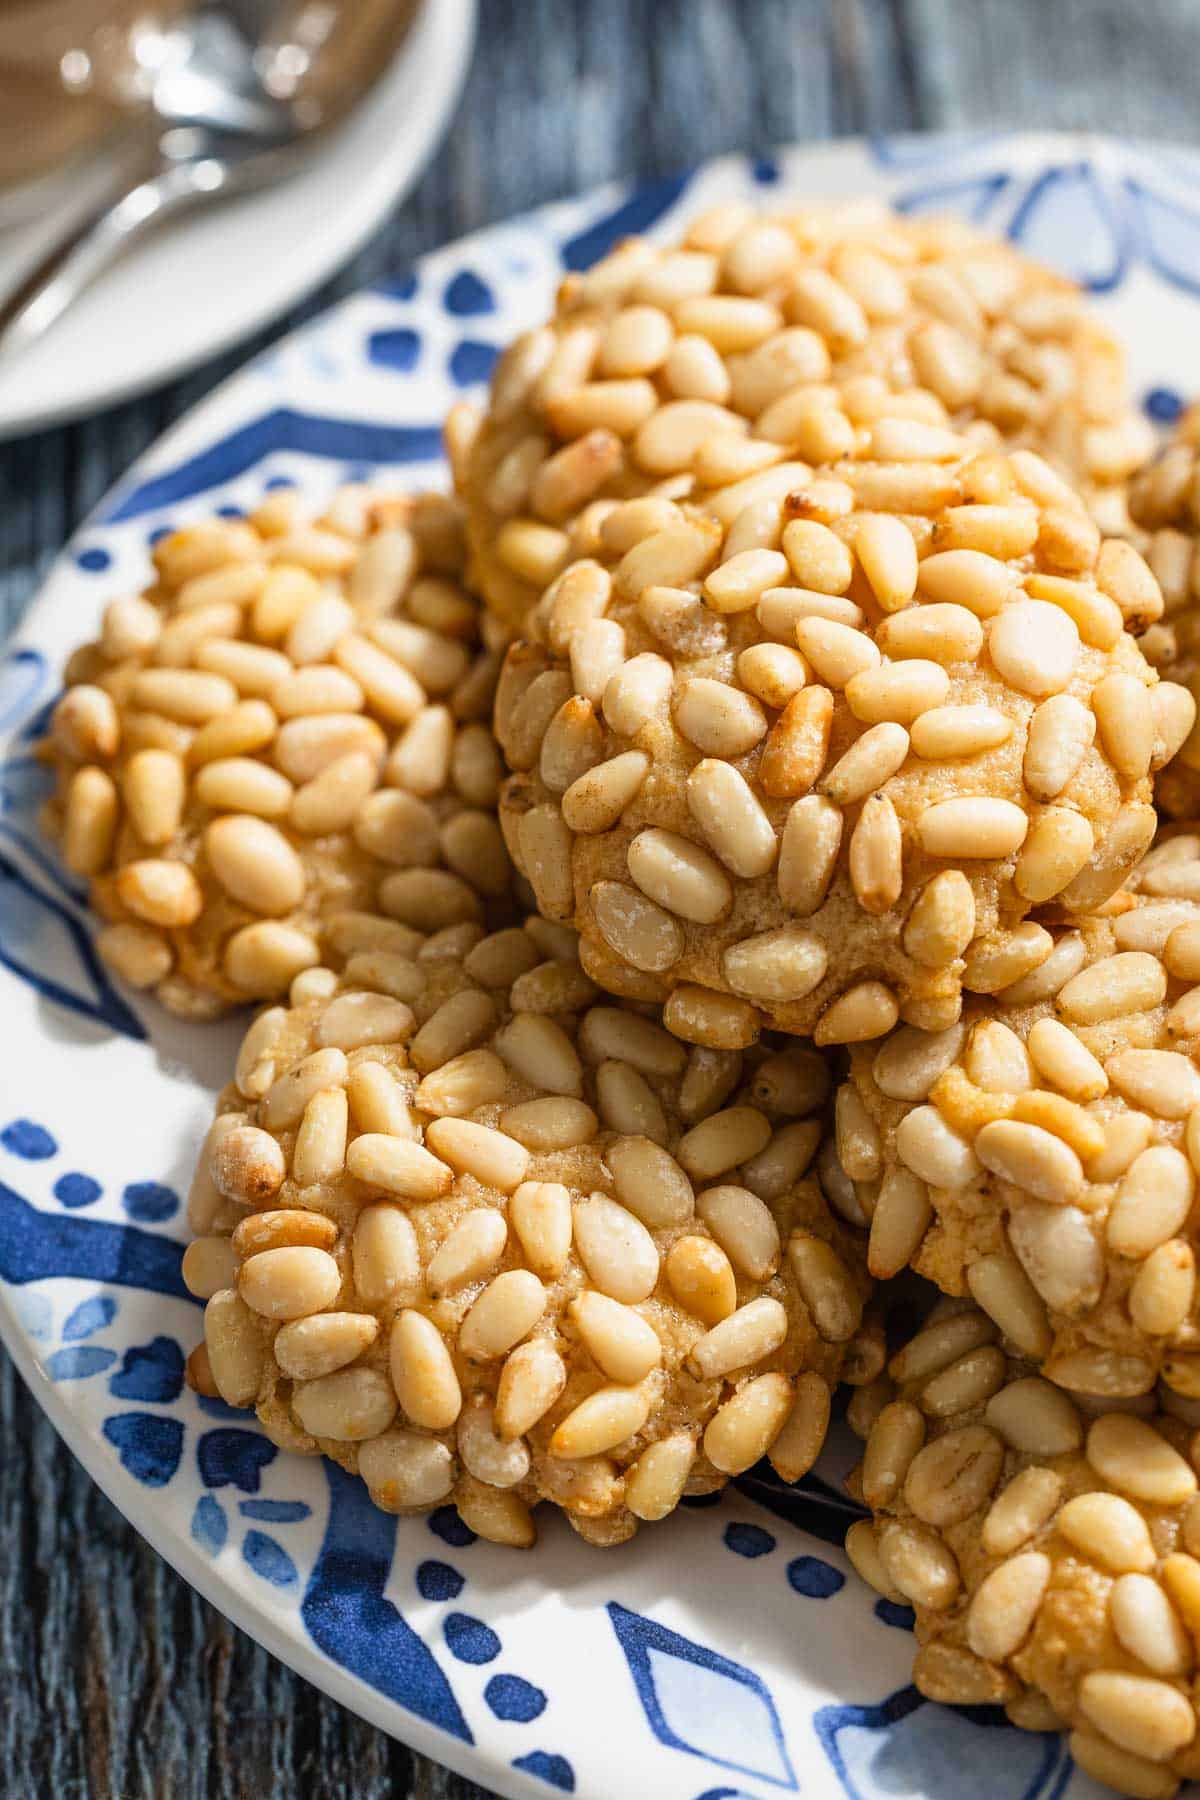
(730, 1655)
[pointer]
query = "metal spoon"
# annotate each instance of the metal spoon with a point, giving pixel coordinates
(232, 108)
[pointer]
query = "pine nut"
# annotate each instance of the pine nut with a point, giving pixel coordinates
(289, 1283)
(655, 1483)
(795, 752)
(616, 1249)
(1005, 1605)
(478, 1150)
(1061, 732)
(826, 1286)
(1118, 1769)
(624, 1345)
(808, 853)
(1032, 1159)
(1109, 1530)
(901, 1218)
(740, 1339)
(1147, 1625)
(161, 891)
(979, 827)
(679, 875)
(540, 1213)
(90, 822)
(915, 1561)
(237, 1350)
(745, 1427)
(870, 761)
(601, 1422)
(1152, 1202)
(1001, 1287)
(744, 1228)
(720, 721)
(423, 1373)
(724, 807)
(876, 848)
(1021, 1510)
(650, 1182)
(1147, 1717)
(866, 1011)
(1130, 1455)
(1161, 1082)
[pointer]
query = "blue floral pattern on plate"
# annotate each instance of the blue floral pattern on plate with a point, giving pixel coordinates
(730, 1656)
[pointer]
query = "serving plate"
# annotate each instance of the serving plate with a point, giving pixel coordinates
(732, 1654)
(208, 280)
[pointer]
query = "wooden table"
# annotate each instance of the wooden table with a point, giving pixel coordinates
(118, 1682)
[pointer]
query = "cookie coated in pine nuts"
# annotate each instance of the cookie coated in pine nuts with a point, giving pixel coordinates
(487, 1238)
(1164, 502)
(288, 728)
(1042, 1153)
(663, 363)
(1050, 1547)
(805, 751)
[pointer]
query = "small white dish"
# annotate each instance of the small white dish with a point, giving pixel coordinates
(205, 282)
(729, 1655)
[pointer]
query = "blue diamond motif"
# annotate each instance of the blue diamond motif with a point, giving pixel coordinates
(699, 1701)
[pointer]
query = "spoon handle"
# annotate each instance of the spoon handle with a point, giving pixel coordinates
(150, 191)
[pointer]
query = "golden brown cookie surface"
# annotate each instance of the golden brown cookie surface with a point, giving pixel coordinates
(288, 728)
(739, 333)
(485, 1237)
(806, 755)
(1051, 1552)
(1042, 1153)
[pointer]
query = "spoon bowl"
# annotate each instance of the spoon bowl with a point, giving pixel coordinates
(243, 95)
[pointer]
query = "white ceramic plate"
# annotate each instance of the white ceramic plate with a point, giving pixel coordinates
(730, 1655)
(207, 281)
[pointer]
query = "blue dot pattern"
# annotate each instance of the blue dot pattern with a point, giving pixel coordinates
(901, 1618)
(748, 1540)
(472, 362)
(149, 1447)
(397, 349)
(814, 1578)
(470, 1640)
(158, 534)
(233, 1457)
(400, 287)
(210, 1527)
(94, 561)
(89, 1316)
(78, 1361)
(152, 1371)
(467, 296)
(77, 1190)
(1163, 405)
(275, 1512)
(554, 1769)
(438, 1581)
(24, 1138)
(269, 1559)
(446, 1524)
(513, 1698)
(150, 1202)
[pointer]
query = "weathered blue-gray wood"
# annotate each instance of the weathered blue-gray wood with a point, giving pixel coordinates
(116, 1683)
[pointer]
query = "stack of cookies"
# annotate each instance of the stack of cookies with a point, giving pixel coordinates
(702, 872)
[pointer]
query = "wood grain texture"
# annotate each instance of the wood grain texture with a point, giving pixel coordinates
(118, 1683)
